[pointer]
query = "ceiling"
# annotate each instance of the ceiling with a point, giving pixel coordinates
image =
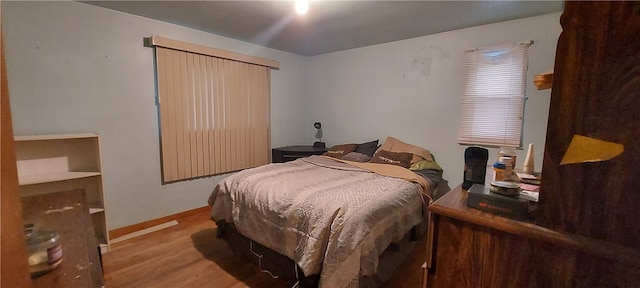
(330, 25)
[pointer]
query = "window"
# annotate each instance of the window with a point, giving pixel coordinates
(213, 109)
(492, 106)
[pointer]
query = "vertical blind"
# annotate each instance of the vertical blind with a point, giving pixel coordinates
(492, 105)
(214, 114)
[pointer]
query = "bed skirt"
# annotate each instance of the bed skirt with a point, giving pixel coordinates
(281, 266)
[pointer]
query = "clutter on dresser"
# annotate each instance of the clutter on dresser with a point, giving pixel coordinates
(517, 207)
(506, 188)
(475, 166)
(44, 249)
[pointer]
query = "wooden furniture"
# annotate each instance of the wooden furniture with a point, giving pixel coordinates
(472, 248)
(290, 153)
(596, 93)
(51, 163)
(584, 234)
(67, 214)
(12, 245)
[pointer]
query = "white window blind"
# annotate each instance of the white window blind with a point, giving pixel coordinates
(492, 105)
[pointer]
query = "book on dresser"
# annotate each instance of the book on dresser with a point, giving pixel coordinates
(480, 197)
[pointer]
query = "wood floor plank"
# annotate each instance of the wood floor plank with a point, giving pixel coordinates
(190, 255)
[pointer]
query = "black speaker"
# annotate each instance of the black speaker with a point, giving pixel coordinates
(475, 166)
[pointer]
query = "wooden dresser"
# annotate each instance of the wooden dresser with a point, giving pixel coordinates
(586, 231)
(473, 249)
(67, 213)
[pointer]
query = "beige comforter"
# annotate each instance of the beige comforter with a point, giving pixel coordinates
(329, 217)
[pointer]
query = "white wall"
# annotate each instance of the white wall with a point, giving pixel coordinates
(411, 89)
(74, 67)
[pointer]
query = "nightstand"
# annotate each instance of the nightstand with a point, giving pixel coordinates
(290, 153)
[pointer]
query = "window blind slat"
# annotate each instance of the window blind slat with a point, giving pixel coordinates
(163, 83)
(180, 111)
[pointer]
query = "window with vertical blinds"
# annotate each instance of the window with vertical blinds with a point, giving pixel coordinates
(213, 110)
(492, 105)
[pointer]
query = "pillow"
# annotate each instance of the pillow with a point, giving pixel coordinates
(395, 145)
(368, 148)
(356, 157)
(424, 165)
(401, 159)
(338, 151)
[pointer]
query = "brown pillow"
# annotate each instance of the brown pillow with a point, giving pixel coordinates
(395, 145)
(340, 150)
(402, 159)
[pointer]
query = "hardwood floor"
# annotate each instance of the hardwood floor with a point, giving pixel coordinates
(190, 255)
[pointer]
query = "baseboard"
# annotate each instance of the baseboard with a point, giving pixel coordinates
(116, 233)
(144, 231)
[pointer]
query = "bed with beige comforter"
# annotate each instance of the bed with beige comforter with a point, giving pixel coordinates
(331, 217)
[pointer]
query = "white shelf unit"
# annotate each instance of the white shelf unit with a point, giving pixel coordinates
(52, 163)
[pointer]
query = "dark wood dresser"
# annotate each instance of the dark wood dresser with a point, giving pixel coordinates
(67, 213)
(472, 248)
(585, 232)
(290, 153)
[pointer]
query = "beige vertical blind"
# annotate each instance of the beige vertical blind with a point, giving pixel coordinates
(214, 113)
(492, 105)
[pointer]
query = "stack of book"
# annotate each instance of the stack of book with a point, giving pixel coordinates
(518, 207)
(528, 178)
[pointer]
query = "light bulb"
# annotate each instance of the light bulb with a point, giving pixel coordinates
(302, 7)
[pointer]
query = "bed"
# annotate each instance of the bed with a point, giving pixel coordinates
(333, 220)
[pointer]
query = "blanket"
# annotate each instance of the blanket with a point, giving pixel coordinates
(330, 217)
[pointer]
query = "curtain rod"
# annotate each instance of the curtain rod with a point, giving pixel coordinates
(526, 43)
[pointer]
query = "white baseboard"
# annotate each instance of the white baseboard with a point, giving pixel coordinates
(144, 231)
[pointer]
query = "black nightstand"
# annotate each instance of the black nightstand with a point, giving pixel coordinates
(290, 153)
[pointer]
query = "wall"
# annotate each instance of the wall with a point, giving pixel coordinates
(411, 89)
(74, 68)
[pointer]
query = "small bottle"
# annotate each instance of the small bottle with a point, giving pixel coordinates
(499, 170)
(508, 152)
(508, 163)
(44, 250)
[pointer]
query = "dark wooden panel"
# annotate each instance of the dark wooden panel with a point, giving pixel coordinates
(290, 153)
(479, 249)
(596, 93)
(470, 255)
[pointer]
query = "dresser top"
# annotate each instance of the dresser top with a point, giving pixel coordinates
(300, 148)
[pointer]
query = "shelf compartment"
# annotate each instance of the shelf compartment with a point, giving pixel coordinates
(52, 163)
(54, 137)
(54, 177)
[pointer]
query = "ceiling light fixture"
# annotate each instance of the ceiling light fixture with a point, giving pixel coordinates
(302, 7)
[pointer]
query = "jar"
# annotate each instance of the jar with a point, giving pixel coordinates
(44, 250)
(508, 152)
(499, 170)
(508, 163)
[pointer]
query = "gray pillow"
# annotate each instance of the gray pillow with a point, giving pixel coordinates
(356, 157)
(368, 148)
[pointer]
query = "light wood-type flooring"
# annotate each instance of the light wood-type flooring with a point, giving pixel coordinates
(190, 255)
